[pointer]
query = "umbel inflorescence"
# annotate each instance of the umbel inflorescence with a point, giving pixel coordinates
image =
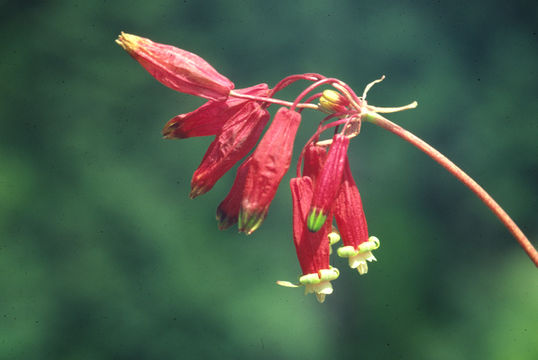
(324, 192)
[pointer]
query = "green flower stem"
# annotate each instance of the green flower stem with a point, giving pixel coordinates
(386, 124)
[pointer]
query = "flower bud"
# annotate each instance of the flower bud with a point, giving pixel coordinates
(178, 69)
(269, 163)
(333, 102)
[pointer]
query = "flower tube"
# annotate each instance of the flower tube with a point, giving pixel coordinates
(328, 183)
(351, 222)
(312, 249)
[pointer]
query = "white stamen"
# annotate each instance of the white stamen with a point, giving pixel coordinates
(321, 290)
(359, 261)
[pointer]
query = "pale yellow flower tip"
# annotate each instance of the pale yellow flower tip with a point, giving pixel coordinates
(373, 243)
(128, 42)
(320, 284)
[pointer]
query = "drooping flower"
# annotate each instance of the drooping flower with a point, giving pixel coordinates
(269, 163)
(351, 222)
(176, 68)
(328, 183)
(236, 139)
(313, 249)
(314, 159)
(209, 118)
(228, 209)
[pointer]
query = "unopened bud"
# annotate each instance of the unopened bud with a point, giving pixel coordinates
(333, 102)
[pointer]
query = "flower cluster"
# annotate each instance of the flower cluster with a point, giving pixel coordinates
(327, 205)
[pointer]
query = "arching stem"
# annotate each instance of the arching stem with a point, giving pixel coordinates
(293, 78)
(460, 175)
(272, 100)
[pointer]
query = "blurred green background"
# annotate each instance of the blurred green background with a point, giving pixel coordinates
(103, 256)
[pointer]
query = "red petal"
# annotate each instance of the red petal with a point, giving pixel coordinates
(205, 121)
(209, 118)
(348, 212)
(238, 136)
(314, 159)
(228, 210)
(270, 161)
(328, 183)
(312, 248)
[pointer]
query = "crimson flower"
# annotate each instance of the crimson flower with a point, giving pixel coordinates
(269, 163)
(351, 222)
(314, 159)
(176, 68)
(328, 183)
(312, 249)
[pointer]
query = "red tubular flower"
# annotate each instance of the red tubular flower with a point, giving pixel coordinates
(209, 118)
(178, 69)
(348, 211)
(352, 226)
(328, 183)
(228, 210)
(270, 161)
(312, 252)
(314, 159)
(237, 137)
(312, 248)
